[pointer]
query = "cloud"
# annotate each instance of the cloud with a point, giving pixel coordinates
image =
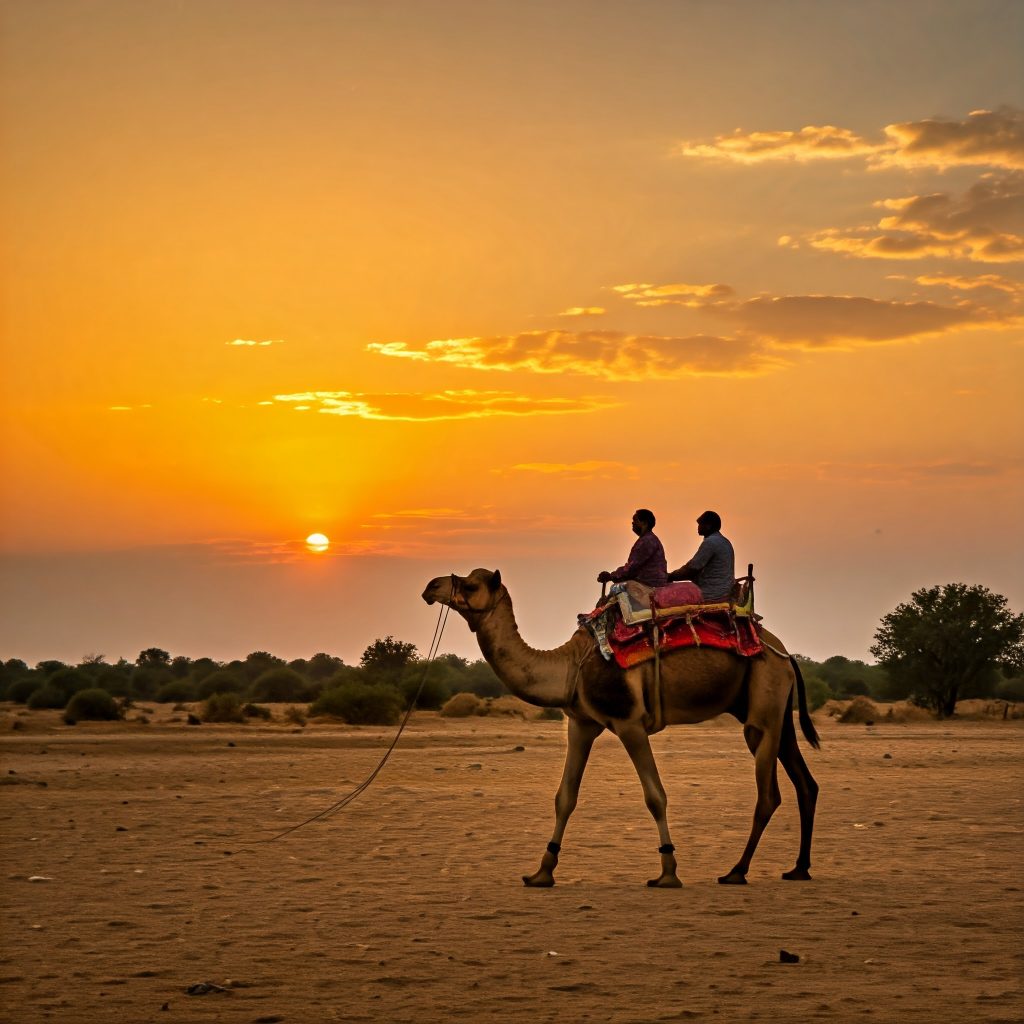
(693, 296)
(985, 224)
(423, 513)
(814, 142)
(242, 343)
(985, 138)
(958, 282)
(990, 138)
(584, 311)
(590, 470)
(444, 405)
(611, 355)
(840, 321)
(890, 473)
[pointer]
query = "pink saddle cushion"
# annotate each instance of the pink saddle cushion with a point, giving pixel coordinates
(676, 594)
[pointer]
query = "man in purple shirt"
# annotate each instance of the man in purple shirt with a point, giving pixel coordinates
(646, 563)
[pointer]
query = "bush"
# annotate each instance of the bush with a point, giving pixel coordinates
(255, 711)
(21, 689)
(223, 707)
(479, 678)
(550, 715)
(47, 696)
(462, 705)
(69, 681)
(360, 703)
(435, 690)
(220, 681)
(95, 705)
(818, 692)
(176, 691)
(278, 685)
(295, 716)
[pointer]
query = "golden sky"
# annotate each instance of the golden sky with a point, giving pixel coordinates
(463, 284)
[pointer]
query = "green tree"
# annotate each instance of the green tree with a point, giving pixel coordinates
(385, 659)
(153, 657)
(945, 641)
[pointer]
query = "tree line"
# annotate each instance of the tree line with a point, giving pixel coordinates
(945, 644)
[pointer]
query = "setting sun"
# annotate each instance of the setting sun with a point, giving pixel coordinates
(317, 542)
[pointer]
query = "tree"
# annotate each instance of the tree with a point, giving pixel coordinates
(385, 659)
(946, 640)
(153, 657)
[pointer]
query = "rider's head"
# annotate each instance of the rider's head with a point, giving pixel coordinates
(643, 521)
(708, 523)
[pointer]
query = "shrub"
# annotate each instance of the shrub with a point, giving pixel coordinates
(818, 693)
(69, 681)
(360, 703)
(295, 716)
(94, 704)
(220, 681)
(48, 696)
(278, 685)
(479, 678)
(176, 691)
(21, 689)
(435, 690)
(462, 705)
(550, 715)
(255, 711)
(223, 707)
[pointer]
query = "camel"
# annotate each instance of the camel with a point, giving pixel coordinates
(697, 683)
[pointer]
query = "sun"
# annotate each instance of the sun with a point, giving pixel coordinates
(317, 542)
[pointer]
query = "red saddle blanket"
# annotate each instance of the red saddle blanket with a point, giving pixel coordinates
(632, 645)
(692, 625)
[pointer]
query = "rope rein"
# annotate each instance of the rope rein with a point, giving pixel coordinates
(442, 619)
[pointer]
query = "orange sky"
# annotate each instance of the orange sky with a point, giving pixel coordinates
(464, 284)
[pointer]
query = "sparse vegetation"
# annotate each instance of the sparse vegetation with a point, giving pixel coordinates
(360, 703)
(223, 707)
(93, 705)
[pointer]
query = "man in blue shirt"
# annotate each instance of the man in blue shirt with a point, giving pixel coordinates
(646, 563)
(713, 567)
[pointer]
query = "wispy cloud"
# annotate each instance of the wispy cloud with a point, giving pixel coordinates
(980, 282)
(916, 473)
(843, 321)
(611, 355)
(243, 343)
(443, 405)
(589, 470)
(813, 142)
(583, 311)
(985, 224)
(692, 296)
(985, 138)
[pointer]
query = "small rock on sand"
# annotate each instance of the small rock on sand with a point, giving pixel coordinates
(785, 957)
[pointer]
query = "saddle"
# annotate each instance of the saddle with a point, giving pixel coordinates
(641, 623)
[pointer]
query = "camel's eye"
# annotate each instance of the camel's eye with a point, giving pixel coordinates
(470, 588)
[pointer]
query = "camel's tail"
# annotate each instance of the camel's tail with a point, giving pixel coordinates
(806, 725)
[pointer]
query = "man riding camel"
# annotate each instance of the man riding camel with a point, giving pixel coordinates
(713, 567)
(646, 563)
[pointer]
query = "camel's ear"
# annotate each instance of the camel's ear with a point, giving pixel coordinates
(495, 580)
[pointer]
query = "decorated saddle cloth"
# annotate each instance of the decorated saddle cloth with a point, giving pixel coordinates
(639, 622)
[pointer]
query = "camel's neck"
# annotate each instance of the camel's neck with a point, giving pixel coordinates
(538, 677)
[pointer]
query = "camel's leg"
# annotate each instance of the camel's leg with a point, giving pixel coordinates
(806, 795)
(768, 797)
(581, 739)
(638, 746)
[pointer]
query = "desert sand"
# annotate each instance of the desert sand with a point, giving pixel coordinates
(133, 868)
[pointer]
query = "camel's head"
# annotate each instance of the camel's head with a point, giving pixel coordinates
(472, 596)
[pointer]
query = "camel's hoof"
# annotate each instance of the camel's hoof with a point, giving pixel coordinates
(797, 875)
(733, 878)
(541, 880)
(664, 882)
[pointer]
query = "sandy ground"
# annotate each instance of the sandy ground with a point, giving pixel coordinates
(134, 872)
